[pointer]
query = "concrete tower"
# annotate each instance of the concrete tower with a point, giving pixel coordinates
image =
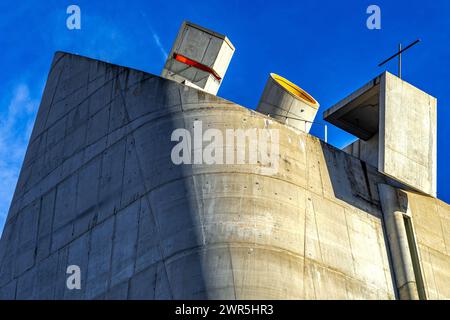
(99, 189)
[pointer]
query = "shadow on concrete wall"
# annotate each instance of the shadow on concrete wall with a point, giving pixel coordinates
(356, 183)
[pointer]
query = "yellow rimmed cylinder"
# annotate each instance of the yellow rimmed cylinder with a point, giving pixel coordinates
(288, 103)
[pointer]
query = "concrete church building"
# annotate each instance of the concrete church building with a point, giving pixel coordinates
(98, 189)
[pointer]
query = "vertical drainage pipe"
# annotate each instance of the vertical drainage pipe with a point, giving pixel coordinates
(394, 210)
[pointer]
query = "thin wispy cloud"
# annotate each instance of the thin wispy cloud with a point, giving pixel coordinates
(159, 45)
(155, 37)
(15, 128)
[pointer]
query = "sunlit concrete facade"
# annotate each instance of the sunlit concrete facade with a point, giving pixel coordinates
(397, 126)
(98, 189)
(199, 58)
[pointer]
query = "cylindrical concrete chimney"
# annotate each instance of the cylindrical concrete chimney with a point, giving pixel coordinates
(288, 103)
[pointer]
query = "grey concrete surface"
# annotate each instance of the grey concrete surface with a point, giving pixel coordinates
(203, 46)
(288, 103)
(402, 263)
(396, 123)
(98, 189)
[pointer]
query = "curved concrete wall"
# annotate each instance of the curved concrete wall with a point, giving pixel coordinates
(98, 189)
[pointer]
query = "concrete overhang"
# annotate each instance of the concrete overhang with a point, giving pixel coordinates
(358, 113)
(396, 126)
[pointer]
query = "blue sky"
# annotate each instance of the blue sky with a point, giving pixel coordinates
(323, 46)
